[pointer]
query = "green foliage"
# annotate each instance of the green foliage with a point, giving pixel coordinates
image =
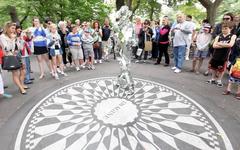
(149, 9)
(228, 6)
(85, 10)
(190, 8)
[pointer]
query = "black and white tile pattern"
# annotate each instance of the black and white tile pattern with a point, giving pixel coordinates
(96, 115)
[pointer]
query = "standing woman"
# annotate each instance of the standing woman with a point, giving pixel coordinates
(97, 35)
(164, 41)
(145, 35)
(54, 44)
(40, 46)
(8, 44)
(63, 32)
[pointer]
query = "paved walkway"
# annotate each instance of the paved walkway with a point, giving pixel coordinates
(86, 111)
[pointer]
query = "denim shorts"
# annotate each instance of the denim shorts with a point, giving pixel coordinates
(200, 54)
(234, 80)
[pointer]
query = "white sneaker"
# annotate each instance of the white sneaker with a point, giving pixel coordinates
(174, 68)
(137, 61)
(83, 66)
(93, 67)
(56, 76)
(77, 68)
(100, 61)
(95, 61)
(177, 70)
(187, 58)
(64, 74)
(58, 70)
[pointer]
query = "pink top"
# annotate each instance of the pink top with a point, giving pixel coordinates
(163, 32)
(137, 28)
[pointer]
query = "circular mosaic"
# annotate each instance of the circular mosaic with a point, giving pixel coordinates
(97, 115)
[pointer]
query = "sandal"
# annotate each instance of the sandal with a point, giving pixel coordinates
(226, 92)
(237, 96)
(211, 81)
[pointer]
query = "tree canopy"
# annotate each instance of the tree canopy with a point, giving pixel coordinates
(22, 11)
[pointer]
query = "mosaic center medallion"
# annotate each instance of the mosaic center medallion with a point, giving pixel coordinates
(97, 115)
(116, 111)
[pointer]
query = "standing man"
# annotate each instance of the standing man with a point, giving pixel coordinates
(181, 33)
(191, 36)
(106, 32)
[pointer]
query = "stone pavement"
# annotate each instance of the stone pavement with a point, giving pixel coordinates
(86, 111)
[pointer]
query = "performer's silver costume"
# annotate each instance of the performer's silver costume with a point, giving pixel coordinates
(124, 36)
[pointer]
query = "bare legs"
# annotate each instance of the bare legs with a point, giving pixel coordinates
(41, 59)
(198, 62)
(17, 80)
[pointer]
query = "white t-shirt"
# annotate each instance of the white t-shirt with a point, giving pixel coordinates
(181, 37)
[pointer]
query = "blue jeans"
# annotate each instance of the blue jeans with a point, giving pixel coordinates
(26, 61)
(179, 55)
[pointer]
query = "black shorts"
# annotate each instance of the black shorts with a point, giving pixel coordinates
(218, 65)
(40, 50)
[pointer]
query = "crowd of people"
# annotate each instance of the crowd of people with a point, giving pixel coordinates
(82, 45)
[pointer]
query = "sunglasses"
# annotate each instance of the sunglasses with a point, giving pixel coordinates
(226, 18)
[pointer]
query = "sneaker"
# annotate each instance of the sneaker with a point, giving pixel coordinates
(197, 72)
(58, 70)
(95, 62)
(77, 68)
(226, 92)
(206, 73)
(177, 70)
(100, 61)
(156, 63)
(187, 58)
(64, 74)
(144, 61)
(56, 76)
(7, 95)
(83, 66)
(174, 68)
(192, 70)
(211, 81)
(137, 61)
(166, 65)
(28, 82)
(219, 84)
(92, 67)
(52, 74)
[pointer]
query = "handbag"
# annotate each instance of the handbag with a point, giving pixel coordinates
(96, 45)
(148, 46)
(139, 52)
(11, 62)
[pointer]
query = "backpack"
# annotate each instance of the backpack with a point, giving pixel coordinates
(236, 69)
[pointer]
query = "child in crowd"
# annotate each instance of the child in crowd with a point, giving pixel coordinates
(25, 53)
(54, 45)
(234, 77)
(222, 46)
(202, 42)
(87, 43)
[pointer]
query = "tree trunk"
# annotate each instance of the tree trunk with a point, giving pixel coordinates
(119, 4)
(129, 4)
(211, 8)
(151, 13)
(13, 14)
(211, 14)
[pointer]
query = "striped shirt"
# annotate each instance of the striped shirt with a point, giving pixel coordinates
(39, 37)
